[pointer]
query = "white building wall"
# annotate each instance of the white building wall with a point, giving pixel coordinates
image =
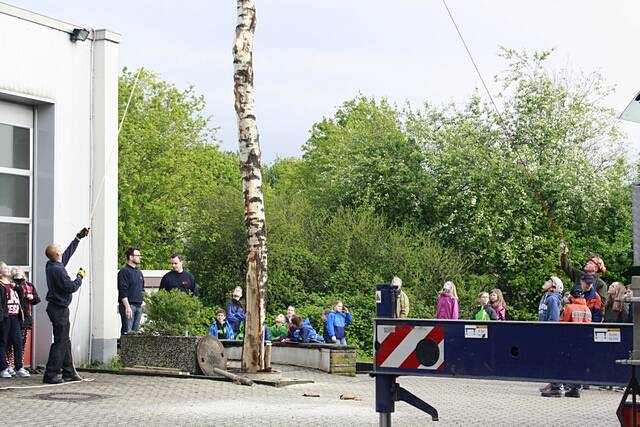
(67, 82)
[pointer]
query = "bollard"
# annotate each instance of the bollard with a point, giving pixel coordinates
(267, 356)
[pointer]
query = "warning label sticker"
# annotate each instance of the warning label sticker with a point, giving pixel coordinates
(476, 331)
(606, 334)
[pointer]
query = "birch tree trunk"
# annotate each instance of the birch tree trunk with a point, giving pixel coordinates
(254, 218)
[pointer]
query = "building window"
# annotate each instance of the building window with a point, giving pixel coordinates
(15, 147)
(15, 195)
(15, 247)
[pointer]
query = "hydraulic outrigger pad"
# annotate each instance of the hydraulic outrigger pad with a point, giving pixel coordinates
(400, 393)
(388, 392)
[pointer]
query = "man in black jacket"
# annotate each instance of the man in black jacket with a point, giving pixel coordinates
(179, 278)
(59, 296)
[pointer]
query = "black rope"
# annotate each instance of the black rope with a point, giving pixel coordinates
(532, 181)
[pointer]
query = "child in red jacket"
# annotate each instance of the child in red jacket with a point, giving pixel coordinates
(577, 311)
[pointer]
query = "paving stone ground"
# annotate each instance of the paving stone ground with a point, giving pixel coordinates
(127, 400)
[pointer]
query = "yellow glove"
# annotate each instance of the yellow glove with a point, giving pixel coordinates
(81, 273)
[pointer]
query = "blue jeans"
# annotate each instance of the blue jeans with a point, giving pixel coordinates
(133, 324)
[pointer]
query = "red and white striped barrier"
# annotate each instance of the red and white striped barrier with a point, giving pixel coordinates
(410, 347)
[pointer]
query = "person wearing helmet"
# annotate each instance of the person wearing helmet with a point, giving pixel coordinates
(594, 266)
(549, 307)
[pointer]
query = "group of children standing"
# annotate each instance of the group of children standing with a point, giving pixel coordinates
(293, 328)
(589, 300)
(580, 304)
(583, 303)
(17, 298)
(491, 306)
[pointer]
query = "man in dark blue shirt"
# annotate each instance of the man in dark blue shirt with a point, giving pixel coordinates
(179, 278)
(59, 296)
(130, 292)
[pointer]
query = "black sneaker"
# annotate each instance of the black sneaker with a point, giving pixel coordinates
(553, 392)
(51, 380)
(72, 378)
(574, 392)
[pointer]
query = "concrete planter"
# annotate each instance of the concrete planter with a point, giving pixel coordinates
(160, 351)
(334, 359)
(180, 353)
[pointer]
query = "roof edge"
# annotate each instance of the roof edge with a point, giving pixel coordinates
(55, 24)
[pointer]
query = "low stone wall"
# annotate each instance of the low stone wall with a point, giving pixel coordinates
(160, 351)
(343, 360)
(338, 360)
(180, 353)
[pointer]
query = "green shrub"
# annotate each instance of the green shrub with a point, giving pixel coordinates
(113, 365)
(176, 312)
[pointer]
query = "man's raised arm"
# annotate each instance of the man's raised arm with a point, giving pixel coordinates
(66, 256)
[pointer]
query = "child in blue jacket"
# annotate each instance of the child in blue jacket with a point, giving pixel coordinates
(336, 321)
(302, 331)
(551, 301)
(221, 328)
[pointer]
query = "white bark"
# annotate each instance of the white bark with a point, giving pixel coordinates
(256, 279)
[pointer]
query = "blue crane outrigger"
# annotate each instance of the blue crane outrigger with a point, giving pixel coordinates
(506, 350)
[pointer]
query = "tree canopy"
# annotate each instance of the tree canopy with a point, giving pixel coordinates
(169, 165)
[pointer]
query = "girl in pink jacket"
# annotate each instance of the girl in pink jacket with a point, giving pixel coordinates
(447, 307)
(496, 299)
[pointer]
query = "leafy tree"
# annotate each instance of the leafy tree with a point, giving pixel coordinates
(319, 255)
(496, 174)
(362, 157)
(216, 245)
(168, 163)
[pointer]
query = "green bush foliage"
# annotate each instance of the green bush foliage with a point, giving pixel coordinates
(174, 313)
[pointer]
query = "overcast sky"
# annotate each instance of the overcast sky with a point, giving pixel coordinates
(311, 56)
